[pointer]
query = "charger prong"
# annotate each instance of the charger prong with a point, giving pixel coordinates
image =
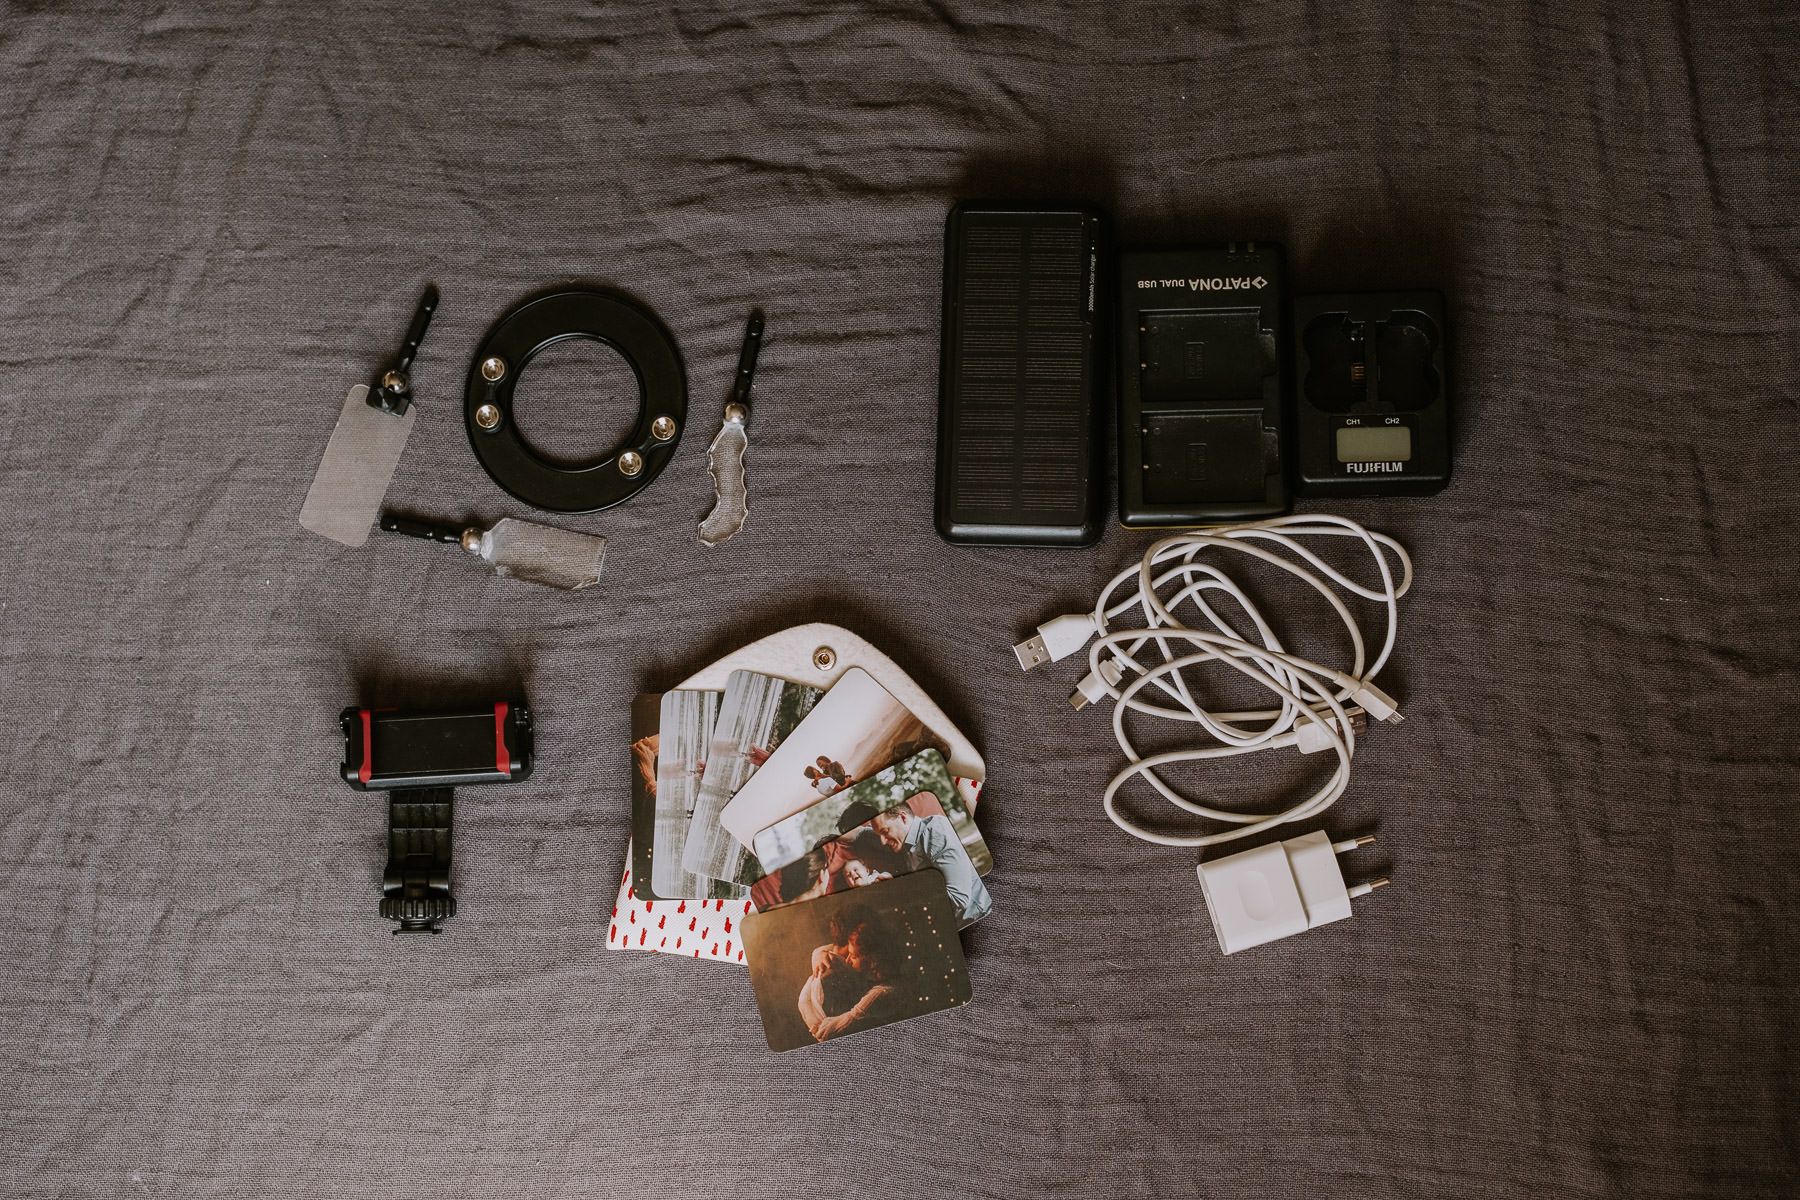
(1349, 844)
(1363, 889)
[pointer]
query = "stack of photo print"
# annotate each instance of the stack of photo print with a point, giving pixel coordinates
(816, 836)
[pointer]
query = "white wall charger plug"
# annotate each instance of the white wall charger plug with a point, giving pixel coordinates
(1278, 890)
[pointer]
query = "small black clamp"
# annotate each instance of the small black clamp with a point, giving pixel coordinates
(418, 758)
(391, 390)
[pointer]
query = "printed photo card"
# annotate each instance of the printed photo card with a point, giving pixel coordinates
(755, 717)
(677, 752)
(914, 835)
(788, 839)
(856, 960)
(855, 731)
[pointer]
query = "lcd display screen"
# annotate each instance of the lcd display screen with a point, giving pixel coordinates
(1374, 443)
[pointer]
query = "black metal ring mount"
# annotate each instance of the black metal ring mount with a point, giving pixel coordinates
(525, 333)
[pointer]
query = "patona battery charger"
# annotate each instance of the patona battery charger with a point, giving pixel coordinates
(1202, 385)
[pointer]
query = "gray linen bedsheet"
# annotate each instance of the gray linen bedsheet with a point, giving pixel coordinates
(215, 218)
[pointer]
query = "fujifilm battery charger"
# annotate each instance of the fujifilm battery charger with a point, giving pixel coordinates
(1372, 405)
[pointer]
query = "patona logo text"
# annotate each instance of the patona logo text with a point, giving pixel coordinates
(1365, 468)
(1229, 283)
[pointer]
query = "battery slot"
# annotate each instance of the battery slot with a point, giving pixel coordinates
(1330, 384)
(1205, 457)
(1405, 347)
(1205, 356)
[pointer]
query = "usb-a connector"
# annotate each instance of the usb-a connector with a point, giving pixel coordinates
(1055, 640)
(1031, 653)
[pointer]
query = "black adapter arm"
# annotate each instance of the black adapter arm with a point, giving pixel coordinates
(415, 888)
(391, 389)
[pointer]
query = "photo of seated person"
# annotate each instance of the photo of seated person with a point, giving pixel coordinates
(931, 841)
(826, 776)
(852, 983)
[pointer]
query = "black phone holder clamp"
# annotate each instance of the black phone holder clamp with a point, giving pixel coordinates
(418, 759)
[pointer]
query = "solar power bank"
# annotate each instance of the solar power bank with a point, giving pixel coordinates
(1022, 383)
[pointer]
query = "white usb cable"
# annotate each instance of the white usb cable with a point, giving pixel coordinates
(1321, 707)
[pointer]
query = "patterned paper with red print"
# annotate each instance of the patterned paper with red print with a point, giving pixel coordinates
(688, 928)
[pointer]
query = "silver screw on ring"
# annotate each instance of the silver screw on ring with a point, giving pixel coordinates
(493, 369)
(663, 428)
(487, 416)
(630, 463)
